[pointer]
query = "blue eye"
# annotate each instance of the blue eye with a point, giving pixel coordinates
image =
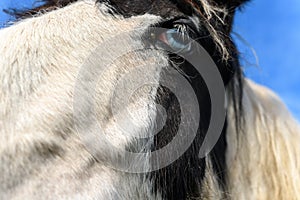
(176, 40)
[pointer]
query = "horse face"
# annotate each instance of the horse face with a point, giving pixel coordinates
(54, 79)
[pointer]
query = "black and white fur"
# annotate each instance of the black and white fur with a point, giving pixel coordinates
(42, 157)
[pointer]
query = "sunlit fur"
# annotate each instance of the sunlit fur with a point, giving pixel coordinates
(263, 160)
(41, 157)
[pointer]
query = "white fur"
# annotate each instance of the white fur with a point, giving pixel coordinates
(40, 154)
(263, 160)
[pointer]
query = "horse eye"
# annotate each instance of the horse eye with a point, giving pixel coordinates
(176, 35)
(177, 41)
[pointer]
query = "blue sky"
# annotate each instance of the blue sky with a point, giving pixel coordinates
(4, 4)
(272, 29)
(269, 42)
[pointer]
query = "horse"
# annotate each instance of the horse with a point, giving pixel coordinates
(53, 96)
